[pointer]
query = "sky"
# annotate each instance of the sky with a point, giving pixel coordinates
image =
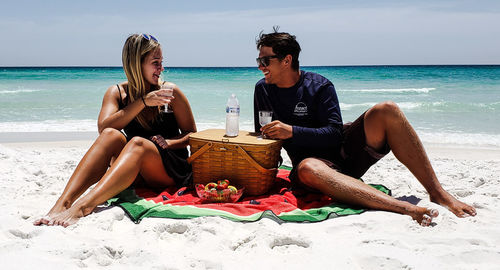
(223, 33)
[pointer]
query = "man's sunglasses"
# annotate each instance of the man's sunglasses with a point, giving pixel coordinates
(264, 60)
(149, 37)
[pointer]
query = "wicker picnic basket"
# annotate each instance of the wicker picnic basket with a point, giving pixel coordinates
(246, 160)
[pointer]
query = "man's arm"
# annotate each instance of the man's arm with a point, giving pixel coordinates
(329, 132)
(328, 113)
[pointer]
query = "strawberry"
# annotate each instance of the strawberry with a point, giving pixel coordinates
(225, 181)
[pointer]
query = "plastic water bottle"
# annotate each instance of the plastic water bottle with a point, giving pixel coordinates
(232, 116)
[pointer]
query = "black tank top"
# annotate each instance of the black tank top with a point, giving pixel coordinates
(165, 125)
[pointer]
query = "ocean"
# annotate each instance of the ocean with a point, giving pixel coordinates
(457, 105)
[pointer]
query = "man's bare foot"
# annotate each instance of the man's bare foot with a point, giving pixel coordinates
(425, 216)
(457, 207)
(66, 218)
(56, 210)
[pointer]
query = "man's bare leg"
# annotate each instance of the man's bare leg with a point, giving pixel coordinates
(138, 156)
(90, 169)
(385, 122)
(318, 175)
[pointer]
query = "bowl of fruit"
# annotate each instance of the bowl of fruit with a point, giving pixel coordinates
(220, 192)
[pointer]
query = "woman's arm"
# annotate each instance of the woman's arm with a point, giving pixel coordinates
(111, 115)
(185, 120)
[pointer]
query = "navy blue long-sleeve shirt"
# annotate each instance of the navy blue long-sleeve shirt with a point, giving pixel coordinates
(311, 107)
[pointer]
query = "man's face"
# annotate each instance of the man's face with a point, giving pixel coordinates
(272, 72)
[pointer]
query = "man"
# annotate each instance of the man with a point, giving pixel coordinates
(328, 156)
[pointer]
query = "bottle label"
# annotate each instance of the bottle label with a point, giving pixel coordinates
(233, 110)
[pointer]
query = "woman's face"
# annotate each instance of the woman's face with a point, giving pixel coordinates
(152, 67)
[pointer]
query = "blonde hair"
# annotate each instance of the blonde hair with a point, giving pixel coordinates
(135, 50)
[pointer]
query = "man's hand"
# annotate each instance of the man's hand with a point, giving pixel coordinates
(277, 130)
(160, 141)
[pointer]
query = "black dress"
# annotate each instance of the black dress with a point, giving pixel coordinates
(165, 124)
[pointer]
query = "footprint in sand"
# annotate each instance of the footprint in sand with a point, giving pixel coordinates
(242, 242)
(24, 235)
(480, 258)
(178, 228)
(273, 241)
(464, 193)
(289, 241)
(376, 262)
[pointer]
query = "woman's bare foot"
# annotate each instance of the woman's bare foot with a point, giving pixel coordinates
(68, 217)
(56, 210)
(457, 207)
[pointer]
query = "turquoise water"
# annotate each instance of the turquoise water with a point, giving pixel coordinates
(451, 104)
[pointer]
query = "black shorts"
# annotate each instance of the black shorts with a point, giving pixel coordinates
(355, 156)
(175, 164)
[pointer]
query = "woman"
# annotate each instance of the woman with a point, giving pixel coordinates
(153, 152)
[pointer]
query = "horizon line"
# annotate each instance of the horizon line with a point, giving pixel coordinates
(369, 65)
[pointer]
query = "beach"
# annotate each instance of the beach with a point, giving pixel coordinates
(62, 62)
(35, 172)
(48, 121)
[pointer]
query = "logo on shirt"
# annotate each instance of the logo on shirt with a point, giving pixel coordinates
(300, 109)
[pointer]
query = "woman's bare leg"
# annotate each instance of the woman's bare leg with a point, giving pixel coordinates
(138, 156)
(343, 188)
(385, 122)
(91, 168)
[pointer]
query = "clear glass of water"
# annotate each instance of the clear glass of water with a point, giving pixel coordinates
(265, 117)
(169, 93)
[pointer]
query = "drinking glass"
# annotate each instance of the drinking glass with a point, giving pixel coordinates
(265, 117)
(169, 93)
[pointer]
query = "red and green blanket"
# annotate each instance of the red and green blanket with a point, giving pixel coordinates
(282, 203)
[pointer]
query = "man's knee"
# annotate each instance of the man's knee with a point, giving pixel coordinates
(308, 169)
(387, 110)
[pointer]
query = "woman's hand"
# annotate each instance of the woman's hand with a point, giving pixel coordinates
(157, 98)
(160, 141)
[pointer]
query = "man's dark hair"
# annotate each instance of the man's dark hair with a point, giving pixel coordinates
(282, 43)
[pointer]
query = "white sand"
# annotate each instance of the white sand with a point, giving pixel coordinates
(34, 174)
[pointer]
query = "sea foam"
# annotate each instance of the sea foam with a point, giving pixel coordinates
(4, 92)
(427, 137)
(391, 90)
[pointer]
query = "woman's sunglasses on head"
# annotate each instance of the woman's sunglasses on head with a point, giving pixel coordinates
(149, 37)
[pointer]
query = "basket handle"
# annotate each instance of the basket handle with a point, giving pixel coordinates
(200, 151)
(252, 161)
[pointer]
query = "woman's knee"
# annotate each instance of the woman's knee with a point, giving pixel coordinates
(112, 136)
(139, 144)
